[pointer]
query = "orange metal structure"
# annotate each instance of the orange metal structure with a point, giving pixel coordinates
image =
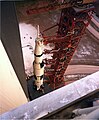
(71, 27)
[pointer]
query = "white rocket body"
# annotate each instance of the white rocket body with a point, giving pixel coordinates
(38, 64)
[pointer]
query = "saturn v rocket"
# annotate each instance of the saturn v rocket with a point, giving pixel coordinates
(38, 64)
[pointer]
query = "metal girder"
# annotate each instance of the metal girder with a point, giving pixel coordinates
(41, 6)
(71, 27)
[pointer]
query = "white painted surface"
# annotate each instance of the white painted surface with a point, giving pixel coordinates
(11, 92)
(28, 35)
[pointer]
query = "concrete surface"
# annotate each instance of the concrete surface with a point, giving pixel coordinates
(55, 100)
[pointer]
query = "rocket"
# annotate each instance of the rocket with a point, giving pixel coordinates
(38, 64)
